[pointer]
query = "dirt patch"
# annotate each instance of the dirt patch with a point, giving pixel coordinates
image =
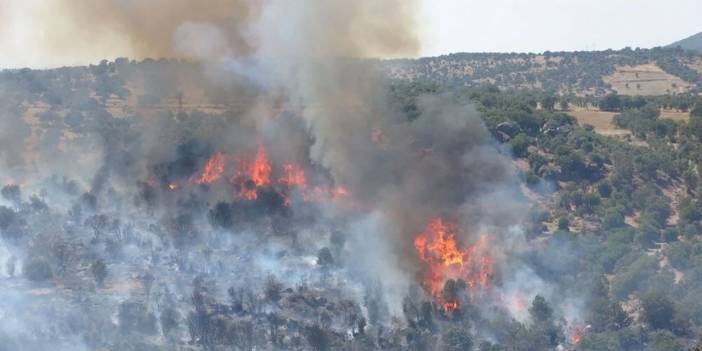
(678, 116)
(601, 120)
(675, 194)
(648, 79)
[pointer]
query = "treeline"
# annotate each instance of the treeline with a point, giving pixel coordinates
(574, 73)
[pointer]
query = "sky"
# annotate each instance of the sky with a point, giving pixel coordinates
(444, 26)
(555, 25)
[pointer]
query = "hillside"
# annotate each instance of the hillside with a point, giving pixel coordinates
(692, 43)
(606, 199)
(631, 72)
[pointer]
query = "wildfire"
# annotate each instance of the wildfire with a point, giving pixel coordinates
(214, 168)
(293, 176)
(575, 332)
(438, 249)
(254, 175)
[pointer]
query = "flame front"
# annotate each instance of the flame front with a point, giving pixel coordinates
(214, 168)
(254, 175)
(437, 248)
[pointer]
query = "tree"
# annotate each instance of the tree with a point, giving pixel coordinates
(604, 188)
(7, 217)
(664, 340)
(565, 106)
(317, 338)
(99, 271)
(613, 219)
(520, 144)
(647, 235)
(38, 270)
(11, 193)
(611, 103)
(658, 310)
(325, 258)
(564, 223)
(689, 211)
(548, 103)
(540, 310)
(456, 339)
(273, 289)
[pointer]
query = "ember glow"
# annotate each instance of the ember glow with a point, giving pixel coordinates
(575, 332)
(213, 170)
(443, 259)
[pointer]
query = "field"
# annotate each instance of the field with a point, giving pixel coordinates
(678, 116)
(601, 120)
(647, 79)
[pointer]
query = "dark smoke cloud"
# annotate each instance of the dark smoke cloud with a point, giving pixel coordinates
(222, 28)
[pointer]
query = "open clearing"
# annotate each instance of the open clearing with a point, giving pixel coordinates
(601, 120)
(677, 116)
(648, 79)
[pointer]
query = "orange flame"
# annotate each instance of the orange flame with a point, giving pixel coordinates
(214, 168)
(172, 186)
(575, 332)
(293, 176)
(437, 248)
(254, 175)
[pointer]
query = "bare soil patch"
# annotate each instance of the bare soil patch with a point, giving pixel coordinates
(647, 79)
(601, 120)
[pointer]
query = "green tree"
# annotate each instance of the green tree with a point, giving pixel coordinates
(520, 144)
(611, 103)
(540, 310)
(689, 210)
(664, 340)
(565, 106)
(548, 103)
(564, 223)
(658, 310)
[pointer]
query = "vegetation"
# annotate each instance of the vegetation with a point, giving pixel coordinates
(619, 218)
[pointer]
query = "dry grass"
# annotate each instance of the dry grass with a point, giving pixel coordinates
(675, 115)
(601, 120)
(648, 79)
